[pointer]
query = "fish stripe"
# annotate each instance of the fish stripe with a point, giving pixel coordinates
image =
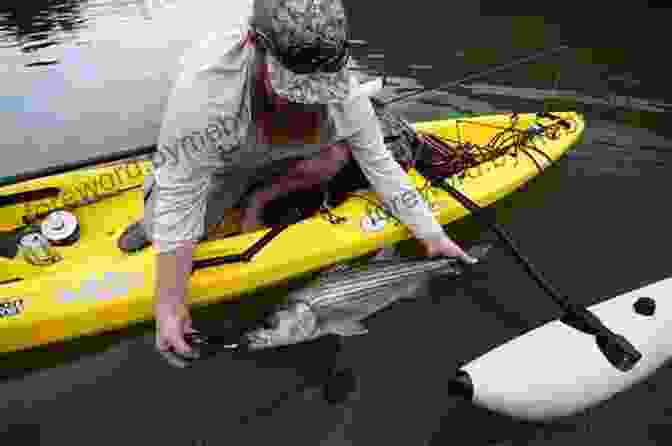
(358, 281)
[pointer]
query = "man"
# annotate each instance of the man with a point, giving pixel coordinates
(274, 99)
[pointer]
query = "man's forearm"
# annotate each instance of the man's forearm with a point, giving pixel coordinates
(172, 272)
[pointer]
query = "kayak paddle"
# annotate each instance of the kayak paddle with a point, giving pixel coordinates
(617, 349)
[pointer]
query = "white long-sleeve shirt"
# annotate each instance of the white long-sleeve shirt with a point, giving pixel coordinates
(208, 134)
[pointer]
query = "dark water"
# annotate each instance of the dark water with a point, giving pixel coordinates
(84, 78)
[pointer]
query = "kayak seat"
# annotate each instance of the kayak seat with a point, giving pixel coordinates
(289, 209)
(298, 205)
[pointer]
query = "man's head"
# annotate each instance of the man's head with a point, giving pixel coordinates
(306, 48)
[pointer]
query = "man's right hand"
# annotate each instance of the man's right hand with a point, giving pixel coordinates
(171, 313)
(172, 322)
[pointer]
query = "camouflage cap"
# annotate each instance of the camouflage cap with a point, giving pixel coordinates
(315, 24)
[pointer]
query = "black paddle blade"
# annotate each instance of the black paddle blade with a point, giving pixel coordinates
(619, 352)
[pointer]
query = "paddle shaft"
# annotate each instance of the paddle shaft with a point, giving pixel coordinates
(577, 316)
(476, 210)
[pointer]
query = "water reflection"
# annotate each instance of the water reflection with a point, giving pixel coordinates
(93, 75)
(33, 26)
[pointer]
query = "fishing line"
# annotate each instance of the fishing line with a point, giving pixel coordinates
(477, 75)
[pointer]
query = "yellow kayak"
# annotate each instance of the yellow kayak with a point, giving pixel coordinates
(95, 287)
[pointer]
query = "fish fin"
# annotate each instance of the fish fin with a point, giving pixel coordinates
(448, 271)
(326, 274)
(411, 290)
(386, 253)
(335, 268)
(350, 328)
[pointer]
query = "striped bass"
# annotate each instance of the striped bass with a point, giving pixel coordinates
(340, 299)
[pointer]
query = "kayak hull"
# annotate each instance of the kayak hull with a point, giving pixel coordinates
(97, 287)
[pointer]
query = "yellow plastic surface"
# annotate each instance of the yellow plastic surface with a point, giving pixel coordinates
(98, 288)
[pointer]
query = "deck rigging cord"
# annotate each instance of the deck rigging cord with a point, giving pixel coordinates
(453, 157)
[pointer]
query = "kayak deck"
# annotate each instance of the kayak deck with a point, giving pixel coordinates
(97, 287)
